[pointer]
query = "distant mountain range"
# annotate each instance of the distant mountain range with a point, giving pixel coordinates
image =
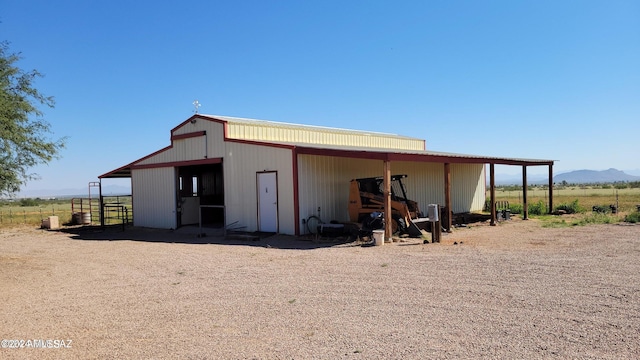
(573, 177)
(592, 176)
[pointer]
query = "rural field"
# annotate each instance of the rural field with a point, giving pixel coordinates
(627, 199)
(32, 211)
(516, 290)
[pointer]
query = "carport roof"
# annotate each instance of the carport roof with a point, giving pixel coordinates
(364, 153)
(409, 155)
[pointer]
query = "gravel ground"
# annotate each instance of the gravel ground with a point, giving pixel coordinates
(516, 290)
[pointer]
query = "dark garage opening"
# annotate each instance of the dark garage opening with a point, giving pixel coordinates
(200, 186)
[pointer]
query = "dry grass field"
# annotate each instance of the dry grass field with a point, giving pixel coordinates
(515, 290)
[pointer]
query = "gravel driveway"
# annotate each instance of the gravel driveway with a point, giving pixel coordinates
(514, 291)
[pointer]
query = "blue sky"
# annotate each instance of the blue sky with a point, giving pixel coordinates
(535, 79)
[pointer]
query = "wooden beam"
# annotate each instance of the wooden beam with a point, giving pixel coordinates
(492, 191)
(550, 188)
(447, 195)
(388, 232)
(525, 206)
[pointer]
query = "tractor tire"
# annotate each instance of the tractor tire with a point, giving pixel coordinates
(373, 223)
(399, 226)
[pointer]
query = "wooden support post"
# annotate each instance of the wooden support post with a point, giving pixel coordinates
(492, 191)
(525, 206)
(447, 196)
(387, 200)
(550, 188)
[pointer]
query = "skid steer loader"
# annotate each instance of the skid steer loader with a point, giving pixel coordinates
(366, 198)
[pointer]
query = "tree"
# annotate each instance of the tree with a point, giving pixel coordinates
(23, 131)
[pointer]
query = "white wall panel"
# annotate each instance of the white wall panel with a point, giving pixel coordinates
(241, 163)
(154, 197)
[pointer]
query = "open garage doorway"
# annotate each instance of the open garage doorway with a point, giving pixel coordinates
(200, 193)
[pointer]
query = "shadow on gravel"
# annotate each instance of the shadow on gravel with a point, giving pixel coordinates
(190, 235)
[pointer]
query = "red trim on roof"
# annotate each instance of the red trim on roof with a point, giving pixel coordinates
(197, 117)
(260, 143)
(188, 135)
(399, 156)
(128, 166)
(358, 154)
(178, 163)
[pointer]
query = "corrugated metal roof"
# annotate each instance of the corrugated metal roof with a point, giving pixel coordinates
(269, 123)
(353, 151)
(424, 153)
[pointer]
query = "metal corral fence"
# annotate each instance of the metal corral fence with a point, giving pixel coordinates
(117, 210)
(78, 211)
(33, 215)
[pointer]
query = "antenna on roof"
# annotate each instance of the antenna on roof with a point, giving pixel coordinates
(196, 104)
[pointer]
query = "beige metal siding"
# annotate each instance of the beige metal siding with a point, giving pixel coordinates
(468, 185)
(214, 138)
(154, 197)
(425, 182)
(210, 145)
(279, 132)
(324, 182)
(241, 163)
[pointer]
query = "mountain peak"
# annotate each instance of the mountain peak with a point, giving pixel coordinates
(594, 176)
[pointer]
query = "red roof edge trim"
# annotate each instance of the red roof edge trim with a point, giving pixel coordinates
(188, 135)
(179, 163)
(197, 117)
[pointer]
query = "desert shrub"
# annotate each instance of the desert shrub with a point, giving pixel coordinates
(571, 208)
(596, 218)
(601, 209)
(30, 202)
(538, 208)
(632, 217)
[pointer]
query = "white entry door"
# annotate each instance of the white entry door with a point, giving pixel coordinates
(267, 202)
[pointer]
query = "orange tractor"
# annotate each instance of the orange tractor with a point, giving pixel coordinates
(366, 200)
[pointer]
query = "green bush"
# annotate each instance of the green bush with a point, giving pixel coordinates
(538, 208)
(516, 208)
(632, 218)
(571, 208)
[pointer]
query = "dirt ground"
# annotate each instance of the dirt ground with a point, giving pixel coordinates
(515, 290)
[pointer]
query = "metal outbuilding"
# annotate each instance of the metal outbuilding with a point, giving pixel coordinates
(270, 176)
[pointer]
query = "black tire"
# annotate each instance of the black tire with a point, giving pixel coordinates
(312, 224)
(401, 225)
(373, 223)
